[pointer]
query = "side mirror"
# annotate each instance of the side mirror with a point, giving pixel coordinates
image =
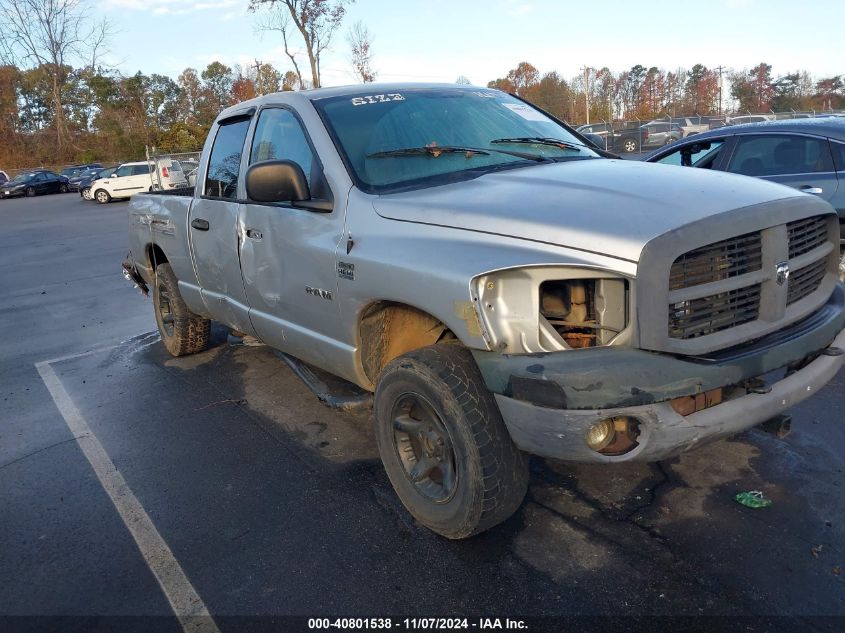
(277, 181)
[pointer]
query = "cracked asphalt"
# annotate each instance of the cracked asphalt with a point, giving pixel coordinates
(276, 505)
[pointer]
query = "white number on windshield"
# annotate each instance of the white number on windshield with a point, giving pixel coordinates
(369, 99)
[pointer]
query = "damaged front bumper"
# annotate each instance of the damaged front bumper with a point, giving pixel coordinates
(549, 401)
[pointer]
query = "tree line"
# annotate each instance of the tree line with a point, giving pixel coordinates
(60, 104)
(647, 93)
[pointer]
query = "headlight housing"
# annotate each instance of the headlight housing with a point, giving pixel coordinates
(550, 308)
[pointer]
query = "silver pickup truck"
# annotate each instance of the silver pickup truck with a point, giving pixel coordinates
(501, 287)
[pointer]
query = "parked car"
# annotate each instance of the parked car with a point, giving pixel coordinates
(690, 126)
(32, 183)
(4, 177)
(189, 168)
(618, 138)
(124, 182)
(661, 133)
(168, 174)
(806, 154)
(85, 175)
(84, 185)
(499, 286)
(748, 118)
(74, 170)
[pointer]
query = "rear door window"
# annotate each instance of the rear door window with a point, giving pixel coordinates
(780, 155)
(224, 164)
(140, 170)
(838, 155)
(702, 154)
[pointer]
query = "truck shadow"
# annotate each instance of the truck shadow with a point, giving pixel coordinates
(668, 536)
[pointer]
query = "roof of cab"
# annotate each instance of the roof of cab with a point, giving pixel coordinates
(315, 94)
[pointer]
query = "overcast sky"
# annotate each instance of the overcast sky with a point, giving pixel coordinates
(438, 40)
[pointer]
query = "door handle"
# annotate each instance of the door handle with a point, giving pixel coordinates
(253, 234)
(199, 224)
(812, 189)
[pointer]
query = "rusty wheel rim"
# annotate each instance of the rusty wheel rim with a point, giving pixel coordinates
(424, 447)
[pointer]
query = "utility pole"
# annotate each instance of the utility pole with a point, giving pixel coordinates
(586, 70)
(719, 68)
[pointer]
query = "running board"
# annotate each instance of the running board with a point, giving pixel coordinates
(352, 398)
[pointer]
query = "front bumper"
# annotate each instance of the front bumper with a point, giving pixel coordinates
(548, 401)
(11, 193)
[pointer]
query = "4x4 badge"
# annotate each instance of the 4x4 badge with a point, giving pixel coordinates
(782, 273)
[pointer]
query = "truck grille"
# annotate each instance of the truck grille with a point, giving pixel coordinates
(734, 267)
(805, 235)
(714, 313)
(717, 261)
(805, 281)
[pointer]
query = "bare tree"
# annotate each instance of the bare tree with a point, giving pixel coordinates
(316, 21)
(52, 34)
(361, 52)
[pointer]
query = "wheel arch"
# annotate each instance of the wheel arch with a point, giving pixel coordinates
(388, 329)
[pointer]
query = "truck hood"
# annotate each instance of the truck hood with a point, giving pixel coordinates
(611, 207)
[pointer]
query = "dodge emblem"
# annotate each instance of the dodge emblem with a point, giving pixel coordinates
(782, 273)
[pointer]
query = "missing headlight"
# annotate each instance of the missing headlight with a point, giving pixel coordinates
(584, 312)
(569, 308)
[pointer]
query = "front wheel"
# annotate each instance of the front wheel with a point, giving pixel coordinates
(102, 196)
(444, 445)
(85, 193)
(182, 331)
(30, 192)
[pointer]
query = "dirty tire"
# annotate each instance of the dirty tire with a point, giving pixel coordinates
(186, 332)
(491, 474)
(102, 196)
(30, 192)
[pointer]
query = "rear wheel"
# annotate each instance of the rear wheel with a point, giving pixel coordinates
(444, 445)
(630, 145)
(102, 196)
(182, 331)
(63, 188)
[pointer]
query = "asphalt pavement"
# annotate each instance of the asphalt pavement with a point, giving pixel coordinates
(270, 504)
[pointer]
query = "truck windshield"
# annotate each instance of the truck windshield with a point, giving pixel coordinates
(382, 136)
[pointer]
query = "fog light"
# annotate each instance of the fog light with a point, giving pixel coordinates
(600, 434)
(613, 436)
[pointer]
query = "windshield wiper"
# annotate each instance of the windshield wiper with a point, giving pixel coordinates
(540, 140)
(437, 150)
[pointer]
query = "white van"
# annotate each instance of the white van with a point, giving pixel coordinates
(132, 178)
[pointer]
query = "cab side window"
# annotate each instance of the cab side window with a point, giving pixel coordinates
(778, 155)
(225, 160)
(279, 136)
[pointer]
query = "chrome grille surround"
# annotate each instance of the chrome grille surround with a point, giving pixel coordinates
(731, 293)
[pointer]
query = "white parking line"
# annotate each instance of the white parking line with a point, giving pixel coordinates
(189, 608)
